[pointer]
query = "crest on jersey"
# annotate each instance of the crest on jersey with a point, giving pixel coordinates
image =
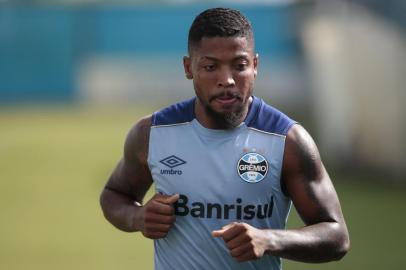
(252, 167)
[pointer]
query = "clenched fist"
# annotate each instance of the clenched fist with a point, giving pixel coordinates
(157, 216)
(244, 242)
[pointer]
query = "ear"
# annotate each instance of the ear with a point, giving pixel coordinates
(256, 62)
(187, 65)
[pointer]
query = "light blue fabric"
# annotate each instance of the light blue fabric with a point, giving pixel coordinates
(207, 167)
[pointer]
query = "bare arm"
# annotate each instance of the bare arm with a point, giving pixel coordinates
(121, 198)
(324, 236)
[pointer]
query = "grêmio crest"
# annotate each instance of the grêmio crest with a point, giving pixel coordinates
(252, 167)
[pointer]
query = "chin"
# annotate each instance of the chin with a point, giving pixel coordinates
(226, 118)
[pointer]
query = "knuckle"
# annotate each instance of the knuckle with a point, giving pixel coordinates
(244, 227)
(228, 244)
(233, 253)
(249, 236)
(251, 245)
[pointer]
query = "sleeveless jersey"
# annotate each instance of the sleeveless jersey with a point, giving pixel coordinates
(222, 176)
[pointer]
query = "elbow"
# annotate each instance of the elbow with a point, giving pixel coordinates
(343, 246)
(103, 201)
(341, 252)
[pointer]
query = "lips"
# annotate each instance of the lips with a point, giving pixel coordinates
(226, 98)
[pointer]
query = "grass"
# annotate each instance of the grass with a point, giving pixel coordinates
(54, 162)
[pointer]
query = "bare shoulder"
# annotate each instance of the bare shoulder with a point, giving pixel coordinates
(132, 176)
(137, 142)
(299, 141)
(301, 156)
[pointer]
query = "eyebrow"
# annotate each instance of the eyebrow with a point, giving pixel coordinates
(238, 57)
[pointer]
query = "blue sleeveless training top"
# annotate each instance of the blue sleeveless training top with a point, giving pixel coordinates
(222, 176)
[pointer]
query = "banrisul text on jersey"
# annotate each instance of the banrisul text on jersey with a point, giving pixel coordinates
(237, 210)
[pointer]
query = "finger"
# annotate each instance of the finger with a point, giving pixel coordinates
(234, 231)
(167, 199)
(239, 251)
(240, 240)
(161, 208)
(154, 227)
(155, 235)
(219, 233)
(159, 219)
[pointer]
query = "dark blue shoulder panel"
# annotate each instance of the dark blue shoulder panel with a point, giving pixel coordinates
(177, 113)
(266, 118)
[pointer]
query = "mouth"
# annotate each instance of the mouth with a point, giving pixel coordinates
(226, 99)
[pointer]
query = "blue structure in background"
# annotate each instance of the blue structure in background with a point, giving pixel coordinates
(40, 47)
(36, 54)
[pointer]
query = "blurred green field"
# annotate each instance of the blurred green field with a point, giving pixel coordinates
(54, 162)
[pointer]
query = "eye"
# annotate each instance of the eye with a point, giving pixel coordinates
(241, 66)
(209, 67)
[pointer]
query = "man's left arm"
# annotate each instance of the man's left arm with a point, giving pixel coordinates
(304, 178)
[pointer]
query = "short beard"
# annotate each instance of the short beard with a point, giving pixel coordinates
(226, 120)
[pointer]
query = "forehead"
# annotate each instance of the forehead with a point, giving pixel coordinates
(223, 47)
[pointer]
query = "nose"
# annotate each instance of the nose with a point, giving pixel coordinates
(225, 79)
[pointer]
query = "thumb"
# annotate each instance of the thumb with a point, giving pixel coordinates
(166, 199)
(218, 233)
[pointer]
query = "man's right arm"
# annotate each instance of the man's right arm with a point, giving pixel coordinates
(121, 198)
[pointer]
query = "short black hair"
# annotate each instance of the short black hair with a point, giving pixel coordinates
(219, 22)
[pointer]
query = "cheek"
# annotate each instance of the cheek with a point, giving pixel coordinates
(200, 89)
(204, 82)
(206, 78)
(245, 81)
